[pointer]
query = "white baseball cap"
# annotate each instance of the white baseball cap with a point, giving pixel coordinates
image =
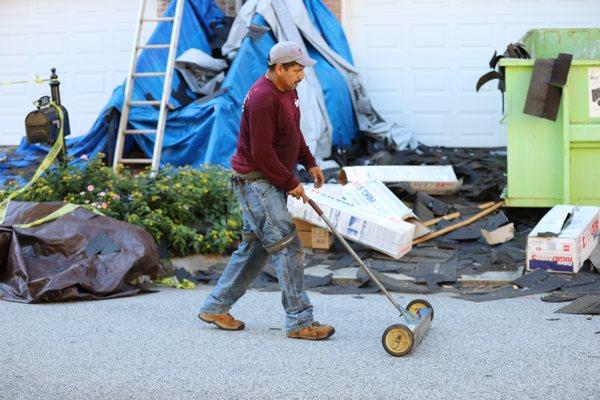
(285, 52)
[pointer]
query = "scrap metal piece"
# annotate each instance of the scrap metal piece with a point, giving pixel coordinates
(560, 69)
(495, 58)
(485, 78)
(545, 88)
(512, 51)
(538, 87)
(522, 50)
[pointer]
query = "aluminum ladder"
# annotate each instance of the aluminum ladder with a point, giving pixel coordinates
(166, 93)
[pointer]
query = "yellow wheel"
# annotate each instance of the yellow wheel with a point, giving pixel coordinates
(398, 340)
(414, 306)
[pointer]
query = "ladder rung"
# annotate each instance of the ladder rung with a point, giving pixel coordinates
(161, 19)
(154, 46)
(138, 131)
(144, 103)
(135, 161)
(167, 75)
(148, 74)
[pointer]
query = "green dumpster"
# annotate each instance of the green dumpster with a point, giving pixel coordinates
(555, 162)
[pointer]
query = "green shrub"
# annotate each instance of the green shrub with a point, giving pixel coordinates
(184, 208)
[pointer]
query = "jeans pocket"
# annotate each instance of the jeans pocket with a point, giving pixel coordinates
(263, 187)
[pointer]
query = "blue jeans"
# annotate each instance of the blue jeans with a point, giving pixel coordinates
(268, 232)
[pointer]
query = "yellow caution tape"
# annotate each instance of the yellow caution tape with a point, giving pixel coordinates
(64, 210)
(186, 284)
(52, 154)
(172, 281)
(37, 80)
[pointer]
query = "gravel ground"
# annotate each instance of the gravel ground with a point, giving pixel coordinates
(153, 347)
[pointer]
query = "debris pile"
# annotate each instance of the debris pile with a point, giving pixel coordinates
(460, 234)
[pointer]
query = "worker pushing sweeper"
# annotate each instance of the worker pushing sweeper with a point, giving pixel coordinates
(269, 146)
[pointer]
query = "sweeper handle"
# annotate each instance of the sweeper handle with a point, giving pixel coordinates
(318, 210)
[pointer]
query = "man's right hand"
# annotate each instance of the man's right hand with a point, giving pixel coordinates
(298, 192)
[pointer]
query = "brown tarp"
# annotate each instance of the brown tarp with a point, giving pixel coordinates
(81, 255)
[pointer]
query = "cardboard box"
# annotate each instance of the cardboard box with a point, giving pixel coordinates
(430, 179)
(321, 238)
(377, 198)
(379, 230)
(305, 238)
(563, 239)
(314, 237)
(302, 226)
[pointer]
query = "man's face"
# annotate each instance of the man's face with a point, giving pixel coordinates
(290, 78)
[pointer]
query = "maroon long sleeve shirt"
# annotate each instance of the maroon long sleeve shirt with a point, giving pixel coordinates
(270, 140)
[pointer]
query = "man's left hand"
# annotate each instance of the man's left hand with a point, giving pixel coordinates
(317, 176)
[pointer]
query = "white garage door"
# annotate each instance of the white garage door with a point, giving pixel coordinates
(87, 41)
(421, 58)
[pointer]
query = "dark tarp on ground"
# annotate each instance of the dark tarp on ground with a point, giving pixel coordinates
(48, 262)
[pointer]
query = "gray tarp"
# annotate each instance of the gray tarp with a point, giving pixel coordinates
(289, 20)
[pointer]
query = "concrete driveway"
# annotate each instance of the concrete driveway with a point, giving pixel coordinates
(154, 347)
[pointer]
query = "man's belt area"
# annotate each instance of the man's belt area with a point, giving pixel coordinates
(242, 179)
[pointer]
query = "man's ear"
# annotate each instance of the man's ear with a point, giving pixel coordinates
(279, 69)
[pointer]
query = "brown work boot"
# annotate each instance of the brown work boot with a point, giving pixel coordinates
(314, 331)
(222, 321)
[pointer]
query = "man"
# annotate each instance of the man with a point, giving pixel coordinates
(270, 144)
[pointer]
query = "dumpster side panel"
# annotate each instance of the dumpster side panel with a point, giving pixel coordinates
(534, 150)
(584, 138)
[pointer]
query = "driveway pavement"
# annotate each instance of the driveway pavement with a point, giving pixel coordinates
(153, 347)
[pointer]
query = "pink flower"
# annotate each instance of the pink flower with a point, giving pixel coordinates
(84, 157)
(102, 194)
(115, 196)
(104, 204)
(90, 188)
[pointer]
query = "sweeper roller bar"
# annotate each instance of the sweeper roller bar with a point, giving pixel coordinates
(398, 340)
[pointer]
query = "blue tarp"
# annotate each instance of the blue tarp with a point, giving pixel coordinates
(207, 133)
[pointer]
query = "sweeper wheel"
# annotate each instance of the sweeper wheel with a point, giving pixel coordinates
(398, 340)
(414, 306)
